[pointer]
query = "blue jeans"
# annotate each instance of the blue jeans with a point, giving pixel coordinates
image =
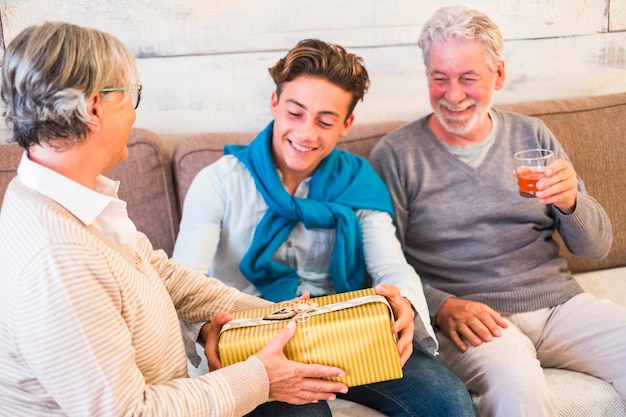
(426, 389)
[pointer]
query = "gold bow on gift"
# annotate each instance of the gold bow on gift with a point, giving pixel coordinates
(302, 307)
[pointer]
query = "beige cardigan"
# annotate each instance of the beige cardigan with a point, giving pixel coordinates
(88, 328)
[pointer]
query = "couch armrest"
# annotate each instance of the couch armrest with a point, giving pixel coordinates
(10, 155)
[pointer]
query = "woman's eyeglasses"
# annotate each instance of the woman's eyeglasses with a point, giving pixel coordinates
(135, 93)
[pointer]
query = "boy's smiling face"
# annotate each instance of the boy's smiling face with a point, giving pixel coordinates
(309, 117)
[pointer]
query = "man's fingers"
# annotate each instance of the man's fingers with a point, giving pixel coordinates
(211, 340)
(458, 341)
(405, 349)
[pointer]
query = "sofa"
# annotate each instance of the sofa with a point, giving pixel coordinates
(155, 178)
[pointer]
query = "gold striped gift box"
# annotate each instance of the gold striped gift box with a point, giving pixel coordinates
(351, 331)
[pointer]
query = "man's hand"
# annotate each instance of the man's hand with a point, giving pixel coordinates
(294, 382)
(210, 333)
(404, 314)
(305, 296)
(559, 186)
(466, 320)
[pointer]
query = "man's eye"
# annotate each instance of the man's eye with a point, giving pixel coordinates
(292, 114)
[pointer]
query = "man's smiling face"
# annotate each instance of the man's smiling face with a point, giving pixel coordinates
(309, 117)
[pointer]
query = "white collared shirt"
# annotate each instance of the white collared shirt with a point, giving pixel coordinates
(100, 208)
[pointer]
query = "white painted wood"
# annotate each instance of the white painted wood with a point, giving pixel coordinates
(617, 15)
(204, 63)
(188, 27)
(231, 92)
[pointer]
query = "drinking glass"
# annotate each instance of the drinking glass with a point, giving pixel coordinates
(529, 168)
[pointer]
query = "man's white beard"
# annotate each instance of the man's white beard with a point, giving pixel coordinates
(461, 126)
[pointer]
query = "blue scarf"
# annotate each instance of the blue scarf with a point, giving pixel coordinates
(341, 184)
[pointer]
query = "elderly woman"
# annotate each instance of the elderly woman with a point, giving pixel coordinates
(88, 310)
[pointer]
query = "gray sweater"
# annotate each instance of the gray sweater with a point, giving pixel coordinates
(467, 231)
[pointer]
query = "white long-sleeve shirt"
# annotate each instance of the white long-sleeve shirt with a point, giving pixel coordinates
(222, 209)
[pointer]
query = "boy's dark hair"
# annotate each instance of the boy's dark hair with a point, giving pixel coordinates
(328, 61)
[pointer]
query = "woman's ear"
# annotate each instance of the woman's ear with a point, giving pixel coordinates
(94, 111)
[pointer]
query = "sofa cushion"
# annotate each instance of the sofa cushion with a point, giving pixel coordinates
(10, 155)
(606, 283)
(195, 151)
(146, 184)
(362, 137)
(581, 395)
(591, 130)
(575, 395)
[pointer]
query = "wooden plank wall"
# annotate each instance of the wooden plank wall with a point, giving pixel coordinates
(204, 63)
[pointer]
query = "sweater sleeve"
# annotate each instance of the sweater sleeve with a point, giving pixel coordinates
(386, 264)
(85, 354)
(198, 298)
(200, 226)
(385, 161)
(587, 231)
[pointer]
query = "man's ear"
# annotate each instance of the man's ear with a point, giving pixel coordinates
(274, 103)
(346, 125)
(500, 76)
(94, 111)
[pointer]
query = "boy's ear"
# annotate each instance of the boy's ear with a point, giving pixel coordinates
(273, 102)
(346, 125)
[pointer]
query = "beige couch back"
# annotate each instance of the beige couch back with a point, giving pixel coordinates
(593, 133)
(591, 129)
(145, 184)
(194, 152)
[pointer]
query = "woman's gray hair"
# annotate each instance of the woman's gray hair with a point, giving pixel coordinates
(49, 73)
(462, 23)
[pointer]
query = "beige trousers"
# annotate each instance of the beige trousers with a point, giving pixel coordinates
(505, 376)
